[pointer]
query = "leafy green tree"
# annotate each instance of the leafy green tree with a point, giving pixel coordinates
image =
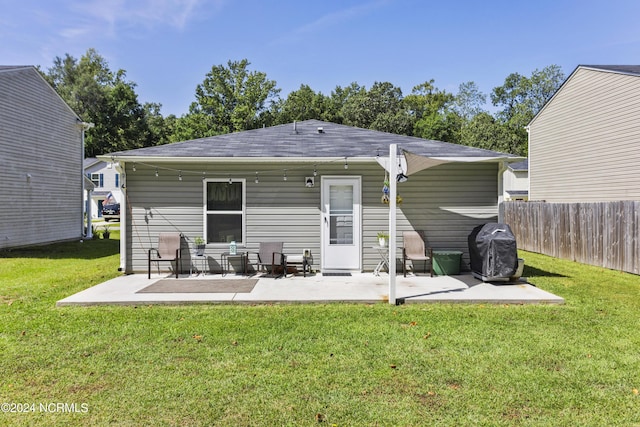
(233, 99)
(431, 109)
(485, 131)
(302, 104)
(521, 98)
(192, 126)
(336, 102)
(104, 98)
(160, 127)
(372, 109)
(469, 101)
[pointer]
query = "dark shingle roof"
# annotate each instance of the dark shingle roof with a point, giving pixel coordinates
(304, 140)
(13, 67)
(520, 166)
(90, 161)
(626, 69)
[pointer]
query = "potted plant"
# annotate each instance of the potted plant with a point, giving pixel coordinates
(106, 233)
(200, 246)
(383, 238)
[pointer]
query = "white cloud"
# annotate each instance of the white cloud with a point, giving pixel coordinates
(112, 17)
(332, 19)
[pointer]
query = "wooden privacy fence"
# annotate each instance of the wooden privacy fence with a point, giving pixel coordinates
(603, 234)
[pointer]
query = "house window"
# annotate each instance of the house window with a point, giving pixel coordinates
(117, 180)
(225, 211)
(97, 179)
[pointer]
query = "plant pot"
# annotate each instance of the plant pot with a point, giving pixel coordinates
(382, 241)
(200, 250)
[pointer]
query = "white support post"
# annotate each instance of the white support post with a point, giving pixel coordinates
(393, 172)
(87, 204)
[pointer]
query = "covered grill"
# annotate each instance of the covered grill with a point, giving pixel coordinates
(493, 252)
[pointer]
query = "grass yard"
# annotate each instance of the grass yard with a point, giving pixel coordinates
(333, 364)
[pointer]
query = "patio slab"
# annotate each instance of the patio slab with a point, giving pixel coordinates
(364, 288)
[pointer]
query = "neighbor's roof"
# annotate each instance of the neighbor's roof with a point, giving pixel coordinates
(14, 67)
(306, 139)
(625, 69)
(520, 166)
(90, 161)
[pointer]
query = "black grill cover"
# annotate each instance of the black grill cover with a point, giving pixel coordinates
(493, 252)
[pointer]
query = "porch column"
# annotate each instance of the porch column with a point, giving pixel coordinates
(393, 173)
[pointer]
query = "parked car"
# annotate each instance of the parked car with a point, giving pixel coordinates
(110, 212)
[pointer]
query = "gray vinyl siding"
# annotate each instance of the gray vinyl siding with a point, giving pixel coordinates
(584, 144)
(39, 136)
(446, 202)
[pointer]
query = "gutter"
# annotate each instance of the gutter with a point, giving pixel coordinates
(156, 159)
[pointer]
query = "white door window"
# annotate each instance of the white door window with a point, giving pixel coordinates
(341, 234)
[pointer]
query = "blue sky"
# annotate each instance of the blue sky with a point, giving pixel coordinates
(168, 46)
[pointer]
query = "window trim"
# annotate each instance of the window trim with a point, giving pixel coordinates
(97, 179)
(206, 213)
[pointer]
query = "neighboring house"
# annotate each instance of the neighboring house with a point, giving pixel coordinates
(313, 185)
(516, 182)
(106, 181)
(584, 144)
(41, 153)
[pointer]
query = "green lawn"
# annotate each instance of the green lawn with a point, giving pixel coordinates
(339, 364)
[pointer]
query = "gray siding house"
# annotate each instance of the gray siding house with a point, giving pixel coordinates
(41, 154)
(584, 145)
(315, 186)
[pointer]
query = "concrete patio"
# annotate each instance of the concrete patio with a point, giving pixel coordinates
(363, 288)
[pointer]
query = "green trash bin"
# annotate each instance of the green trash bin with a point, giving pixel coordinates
(446, 263)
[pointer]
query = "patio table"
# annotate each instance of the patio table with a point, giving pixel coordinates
(225, 261)
(383, 251)
(198, 257)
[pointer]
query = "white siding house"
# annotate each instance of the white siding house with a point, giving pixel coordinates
(106, 180)
(312, 185)
(584, 144)
(41, 153)
(516, 182)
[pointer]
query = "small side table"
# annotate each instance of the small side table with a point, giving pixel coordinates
(383, 251)
(197, 258)
(226, 256)
(294, 260)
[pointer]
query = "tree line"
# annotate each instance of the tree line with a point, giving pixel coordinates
(234, 98)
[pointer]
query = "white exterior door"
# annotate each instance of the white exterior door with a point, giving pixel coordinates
(341, 224)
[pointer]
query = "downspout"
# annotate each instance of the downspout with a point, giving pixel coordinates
(501, 170)
(528, 129)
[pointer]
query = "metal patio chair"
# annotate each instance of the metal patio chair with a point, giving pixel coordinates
(168, 250)
(269, 256)
(414, 249)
